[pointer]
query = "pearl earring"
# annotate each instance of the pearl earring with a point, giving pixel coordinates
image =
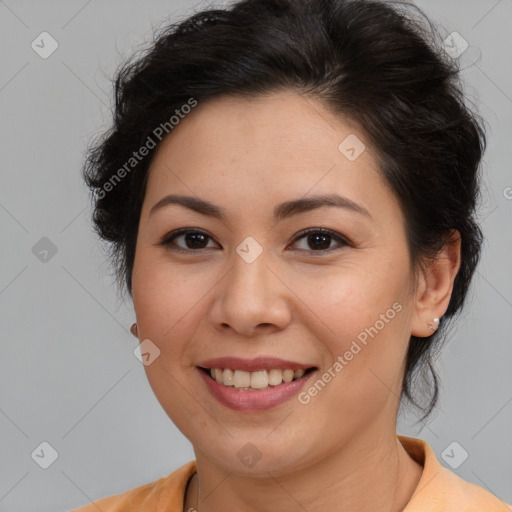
(434, 327)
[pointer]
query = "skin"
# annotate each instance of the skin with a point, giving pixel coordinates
(294, 301)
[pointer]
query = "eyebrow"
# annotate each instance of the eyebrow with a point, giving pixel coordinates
(281, 211)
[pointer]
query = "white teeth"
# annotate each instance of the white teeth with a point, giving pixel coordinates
(275, 377)
(219, 375)
(261, 379)
(241, 379)
(288, 375)
(228, 379)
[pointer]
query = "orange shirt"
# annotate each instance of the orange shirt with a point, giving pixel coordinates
(439, 490)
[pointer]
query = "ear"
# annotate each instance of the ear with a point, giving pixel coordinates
(435, 286)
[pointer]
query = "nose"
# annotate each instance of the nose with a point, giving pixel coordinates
(251, 299)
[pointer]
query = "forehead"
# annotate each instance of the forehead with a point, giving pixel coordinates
(272, 147)
(287, 125)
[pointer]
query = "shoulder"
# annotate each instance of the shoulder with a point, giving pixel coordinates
(164, 494)
(439, 489)
(473, 497)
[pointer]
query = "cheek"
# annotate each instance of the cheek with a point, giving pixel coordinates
(360, 318)
(166, 301)
(348, 300)
(162, 291)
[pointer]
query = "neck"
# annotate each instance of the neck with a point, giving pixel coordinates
(370, 473)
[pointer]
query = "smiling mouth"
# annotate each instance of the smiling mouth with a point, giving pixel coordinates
(255, 381)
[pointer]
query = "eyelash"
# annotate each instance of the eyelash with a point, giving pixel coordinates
(170, 237)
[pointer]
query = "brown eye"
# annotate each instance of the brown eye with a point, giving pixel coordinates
(318, 240)
(187, 240)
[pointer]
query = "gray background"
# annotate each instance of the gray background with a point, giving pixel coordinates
(68, 375)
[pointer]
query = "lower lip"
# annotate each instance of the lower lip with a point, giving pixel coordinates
(254, 400)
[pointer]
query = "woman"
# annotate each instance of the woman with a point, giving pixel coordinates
(289, 189)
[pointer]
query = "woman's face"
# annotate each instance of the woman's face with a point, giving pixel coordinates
(246, 282)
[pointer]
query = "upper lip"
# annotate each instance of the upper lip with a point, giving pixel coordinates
(252, 365)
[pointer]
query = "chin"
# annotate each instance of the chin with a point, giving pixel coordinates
(256, 458)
